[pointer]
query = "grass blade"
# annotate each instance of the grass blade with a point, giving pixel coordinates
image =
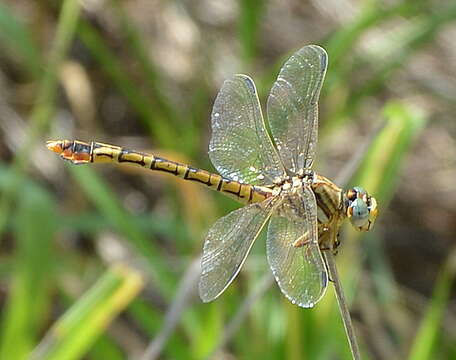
(74, 333)
(17, 41)
(249, 27)
(426, 338)
(29, 296)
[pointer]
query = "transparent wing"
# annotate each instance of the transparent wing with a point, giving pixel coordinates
(293, 107)
(240, 147)
(293, 251)
(227, 245)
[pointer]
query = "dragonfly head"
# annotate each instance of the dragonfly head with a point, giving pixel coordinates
(361, 208)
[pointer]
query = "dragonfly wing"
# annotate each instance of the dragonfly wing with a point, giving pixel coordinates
(227, 245)
(293, 107)
(293, 251)
(240, 147)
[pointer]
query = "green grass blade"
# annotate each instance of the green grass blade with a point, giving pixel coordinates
(28, 299)
(424, 344)
(249, 23)
(17, 41)
(74, 333)
(106, 348)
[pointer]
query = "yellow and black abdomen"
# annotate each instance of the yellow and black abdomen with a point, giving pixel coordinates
(79, 152)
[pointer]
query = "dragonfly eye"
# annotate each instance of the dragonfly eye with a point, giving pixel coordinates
(358, 212)
(357, 192)
(361, 208)
(361, 193)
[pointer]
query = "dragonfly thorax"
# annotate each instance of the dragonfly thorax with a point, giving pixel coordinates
(290, 185)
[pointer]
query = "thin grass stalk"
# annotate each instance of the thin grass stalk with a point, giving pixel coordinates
(343, 307)
(185, 292)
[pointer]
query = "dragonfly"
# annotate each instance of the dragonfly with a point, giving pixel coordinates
(270, 172)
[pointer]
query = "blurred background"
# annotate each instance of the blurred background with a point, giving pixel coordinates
(102, 262)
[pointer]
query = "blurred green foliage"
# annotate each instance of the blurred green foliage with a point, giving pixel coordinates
(65, 296)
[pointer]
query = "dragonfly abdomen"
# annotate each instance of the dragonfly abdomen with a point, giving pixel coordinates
(79, 152)
(244, 193)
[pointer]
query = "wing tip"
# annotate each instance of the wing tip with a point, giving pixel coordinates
(248, 81)
(320, 52)
(318, 48)
(204, 292)
(295, 300)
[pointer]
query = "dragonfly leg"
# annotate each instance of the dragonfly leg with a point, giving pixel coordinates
(303, 240)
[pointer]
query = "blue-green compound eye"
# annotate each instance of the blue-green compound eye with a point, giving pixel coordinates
(360, 213)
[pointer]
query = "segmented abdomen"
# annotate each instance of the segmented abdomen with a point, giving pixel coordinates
(79, 152)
